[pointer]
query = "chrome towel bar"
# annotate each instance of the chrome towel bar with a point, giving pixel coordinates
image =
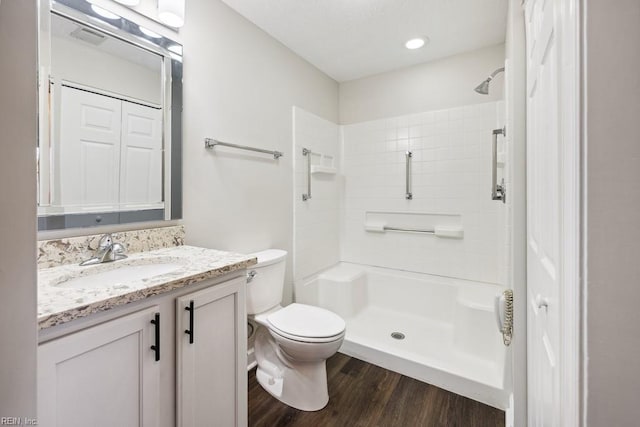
(498, 191)
(307, 196)
(210, 143)
(408, 194)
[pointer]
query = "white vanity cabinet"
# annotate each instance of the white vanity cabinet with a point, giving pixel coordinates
(101, 371)
(105, 375)
(211, 356)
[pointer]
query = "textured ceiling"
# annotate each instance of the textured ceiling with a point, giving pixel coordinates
(349, 39)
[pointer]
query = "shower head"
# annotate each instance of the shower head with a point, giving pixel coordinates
(483, 88)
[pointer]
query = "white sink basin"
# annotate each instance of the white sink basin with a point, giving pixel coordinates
(120, 274)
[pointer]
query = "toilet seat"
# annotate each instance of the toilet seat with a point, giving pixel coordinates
(306, 339)
(306, 323)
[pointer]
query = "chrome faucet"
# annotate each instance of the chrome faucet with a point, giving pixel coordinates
(107, 251)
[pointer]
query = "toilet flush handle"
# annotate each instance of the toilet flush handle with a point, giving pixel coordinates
(251, 275)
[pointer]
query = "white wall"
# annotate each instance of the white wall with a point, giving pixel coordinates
(18, 121)
(435, 85)
(612, 151)
(239, 86)
(317, 220)
(451, 182)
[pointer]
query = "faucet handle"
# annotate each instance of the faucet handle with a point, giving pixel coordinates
(106, 241)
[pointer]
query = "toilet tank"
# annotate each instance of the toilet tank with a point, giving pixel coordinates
(264, 290)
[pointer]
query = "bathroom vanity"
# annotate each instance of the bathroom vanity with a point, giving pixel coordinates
(158, 338)
(165, 346)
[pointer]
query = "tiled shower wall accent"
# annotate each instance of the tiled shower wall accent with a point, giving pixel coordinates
(451, 175)
(317, 220)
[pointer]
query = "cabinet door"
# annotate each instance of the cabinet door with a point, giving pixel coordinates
(212, 369)
(102, 376)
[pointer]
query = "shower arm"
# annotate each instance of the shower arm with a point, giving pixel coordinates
(495, 73)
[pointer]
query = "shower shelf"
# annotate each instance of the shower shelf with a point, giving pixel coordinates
(319, 169)
(448, 226)
(317, 163)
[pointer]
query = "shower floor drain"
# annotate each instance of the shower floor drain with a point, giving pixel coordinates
(397, 335)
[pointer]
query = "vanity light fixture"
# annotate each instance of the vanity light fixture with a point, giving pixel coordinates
(416, 43)
(104, 12)
(129, 3)
(150, 33)
(171, 12)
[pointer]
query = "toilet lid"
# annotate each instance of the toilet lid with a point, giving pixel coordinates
(307, 321)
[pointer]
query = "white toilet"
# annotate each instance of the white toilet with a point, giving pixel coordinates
(292, 347)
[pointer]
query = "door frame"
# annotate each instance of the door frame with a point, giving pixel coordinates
(516, 102)
(570, 15)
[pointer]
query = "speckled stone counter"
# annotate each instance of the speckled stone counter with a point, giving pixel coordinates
(58, 304)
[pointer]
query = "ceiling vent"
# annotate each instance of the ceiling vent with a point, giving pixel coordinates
(89, 36)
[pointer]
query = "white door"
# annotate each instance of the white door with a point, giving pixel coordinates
(546, 210)
(212, 367)
(104, 376)
(141, 157)
(89, 150)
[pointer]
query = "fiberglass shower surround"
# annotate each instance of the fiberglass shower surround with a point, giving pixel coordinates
(349, 259)
(451, 176)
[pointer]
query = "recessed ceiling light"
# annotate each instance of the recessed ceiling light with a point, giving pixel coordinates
(104, 12)
(150, 33)
(416, 43)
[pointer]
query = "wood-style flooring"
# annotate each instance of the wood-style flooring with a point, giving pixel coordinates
(365, 395)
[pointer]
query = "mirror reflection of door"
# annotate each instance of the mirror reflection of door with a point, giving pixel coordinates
(106, 124)
(89, 151)
(110, 153)
(140, 157)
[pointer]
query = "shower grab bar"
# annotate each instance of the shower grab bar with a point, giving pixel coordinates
(498, 191)
(409, 230)
(307, 196)
(210, 143)
(408, 193)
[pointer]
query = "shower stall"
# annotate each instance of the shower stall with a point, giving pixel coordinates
(396, 230)
(436, 329)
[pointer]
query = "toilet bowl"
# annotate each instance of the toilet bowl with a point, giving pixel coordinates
(294, 342)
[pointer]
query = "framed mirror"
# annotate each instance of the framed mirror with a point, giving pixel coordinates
(110, 140)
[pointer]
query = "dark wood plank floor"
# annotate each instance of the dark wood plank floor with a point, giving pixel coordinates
(365, 395)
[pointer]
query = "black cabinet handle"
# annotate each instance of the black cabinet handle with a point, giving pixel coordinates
(156, 346)
(190, 330)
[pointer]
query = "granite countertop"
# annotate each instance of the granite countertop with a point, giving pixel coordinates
(59, 304)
